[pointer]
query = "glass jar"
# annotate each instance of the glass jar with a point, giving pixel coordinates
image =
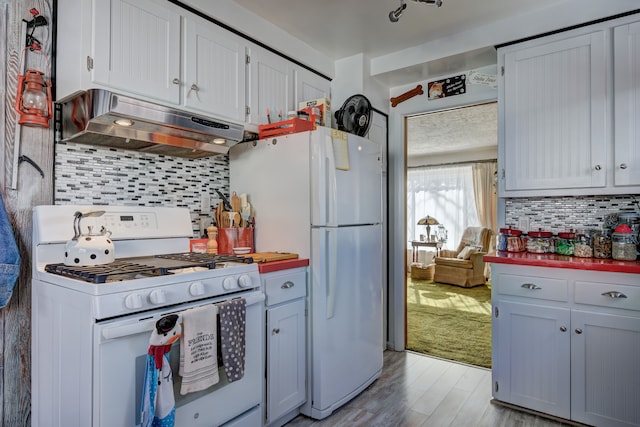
(583, 245)
(540, 242)
(601, 244)
(565, 243)
(509, 240)
(622, 246)
(633, 221)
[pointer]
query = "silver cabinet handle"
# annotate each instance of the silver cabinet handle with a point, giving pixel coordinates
(614, 294)
(530, 286)
(597, 167)
(288, 284)
(194, 87)
(623, 165)
(578, 331)
(275, 331)
(563, 329)
(175, 81)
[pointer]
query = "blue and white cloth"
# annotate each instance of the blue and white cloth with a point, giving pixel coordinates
(9, 257)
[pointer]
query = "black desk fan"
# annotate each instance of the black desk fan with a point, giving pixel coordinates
(355, 115)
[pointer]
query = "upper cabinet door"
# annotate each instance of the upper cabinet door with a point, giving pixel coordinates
(627, 104)
(214, 70)
(271, 86)
(137, 48)
(555, 114)
(310, 86)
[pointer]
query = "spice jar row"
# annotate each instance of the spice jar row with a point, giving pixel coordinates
(588, 243)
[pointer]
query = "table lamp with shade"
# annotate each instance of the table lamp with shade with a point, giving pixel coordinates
(428, 221)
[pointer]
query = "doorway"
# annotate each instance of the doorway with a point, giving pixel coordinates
(444, 151)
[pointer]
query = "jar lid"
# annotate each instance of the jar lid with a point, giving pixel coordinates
(623, 228)
(540, 233)
(510, 231)
(567, 235)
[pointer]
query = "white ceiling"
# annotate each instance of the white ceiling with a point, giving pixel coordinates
(342, 28)
(451, 131)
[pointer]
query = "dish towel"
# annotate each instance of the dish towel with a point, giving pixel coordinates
(9, 257)
(199, 349)
(233, 316)
(158, 403)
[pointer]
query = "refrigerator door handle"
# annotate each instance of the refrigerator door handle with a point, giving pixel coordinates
(332, 259)
(331, 195)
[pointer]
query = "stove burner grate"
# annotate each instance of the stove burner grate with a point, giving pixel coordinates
(127, 270)
(100, 273)
(197, 257)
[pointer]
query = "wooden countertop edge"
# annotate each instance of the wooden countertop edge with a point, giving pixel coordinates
(563, 261)
(270, 267)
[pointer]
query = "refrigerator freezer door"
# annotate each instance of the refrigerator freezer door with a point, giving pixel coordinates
(346, 314)
(345, 197)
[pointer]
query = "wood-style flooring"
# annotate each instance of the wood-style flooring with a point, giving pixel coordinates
(416, 390)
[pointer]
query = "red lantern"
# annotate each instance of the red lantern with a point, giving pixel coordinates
(33, 100)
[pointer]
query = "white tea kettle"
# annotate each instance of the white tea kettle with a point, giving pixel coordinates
(89, 249)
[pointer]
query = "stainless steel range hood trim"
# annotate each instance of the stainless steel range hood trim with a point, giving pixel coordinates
(88, 117)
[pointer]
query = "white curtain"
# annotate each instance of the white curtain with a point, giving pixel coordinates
(445, 193)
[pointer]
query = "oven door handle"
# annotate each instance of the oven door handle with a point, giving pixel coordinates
(148, 324)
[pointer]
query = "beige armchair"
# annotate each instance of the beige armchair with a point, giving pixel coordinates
(464, 266)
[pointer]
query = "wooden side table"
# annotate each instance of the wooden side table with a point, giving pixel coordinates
(415, 244)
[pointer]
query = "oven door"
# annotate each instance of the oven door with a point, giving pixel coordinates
(119, 366)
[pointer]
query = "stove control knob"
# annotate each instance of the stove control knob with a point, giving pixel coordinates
(244, 281)
(229, 283)
(157, 297)
(196, 289)
(133, 301)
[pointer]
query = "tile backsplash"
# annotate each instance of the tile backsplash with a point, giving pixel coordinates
(563, 213)
(100, 176)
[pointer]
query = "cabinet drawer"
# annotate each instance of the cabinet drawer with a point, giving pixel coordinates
(608, 295)
(533, 287)
(280, 287)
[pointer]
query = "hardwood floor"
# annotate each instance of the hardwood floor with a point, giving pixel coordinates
(416, 390)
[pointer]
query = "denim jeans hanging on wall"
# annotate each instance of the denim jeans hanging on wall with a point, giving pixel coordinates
(9, 257)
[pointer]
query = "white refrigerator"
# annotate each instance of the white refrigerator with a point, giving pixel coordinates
(320, 196)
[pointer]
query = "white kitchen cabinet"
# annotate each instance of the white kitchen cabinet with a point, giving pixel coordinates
(136, 48)
(554, 113)
(280, 85)
(627, 104)
(286, 343)
(214, 70)
(569, 120)
(566, 342)
(271, 86)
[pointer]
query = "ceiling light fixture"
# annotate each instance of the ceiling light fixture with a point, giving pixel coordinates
(394, 15)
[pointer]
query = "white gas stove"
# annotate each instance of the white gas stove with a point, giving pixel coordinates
(91, 323)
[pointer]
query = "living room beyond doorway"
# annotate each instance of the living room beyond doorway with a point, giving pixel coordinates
(451, 188)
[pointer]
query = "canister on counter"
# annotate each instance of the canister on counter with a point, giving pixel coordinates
(540, 242)
(509, 239)
(623, 246)
(602, 244)
(565, 242)
(583, 246)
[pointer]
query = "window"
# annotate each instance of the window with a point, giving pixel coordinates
(445, 193)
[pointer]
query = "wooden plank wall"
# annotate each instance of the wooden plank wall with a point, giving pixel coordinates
(30, 190)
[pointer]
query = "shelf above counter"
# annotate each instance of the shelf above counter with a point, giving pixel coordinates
(563, 261)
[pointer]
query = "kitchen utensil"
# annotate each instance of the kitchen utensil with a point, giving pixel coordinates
(89, 249)
(245, 213)
(235, 202)
(236, 219)
(224, 199)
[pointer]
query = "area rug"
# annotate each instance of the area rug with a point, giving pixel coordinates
(449, 322)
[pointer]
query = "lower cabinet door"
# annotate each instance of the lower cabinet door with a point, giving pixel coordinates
(286, 358)
(605, 369)
(533, 369)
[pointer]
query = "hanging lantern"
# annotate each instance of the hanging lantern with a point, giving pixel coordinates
(33, 100)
